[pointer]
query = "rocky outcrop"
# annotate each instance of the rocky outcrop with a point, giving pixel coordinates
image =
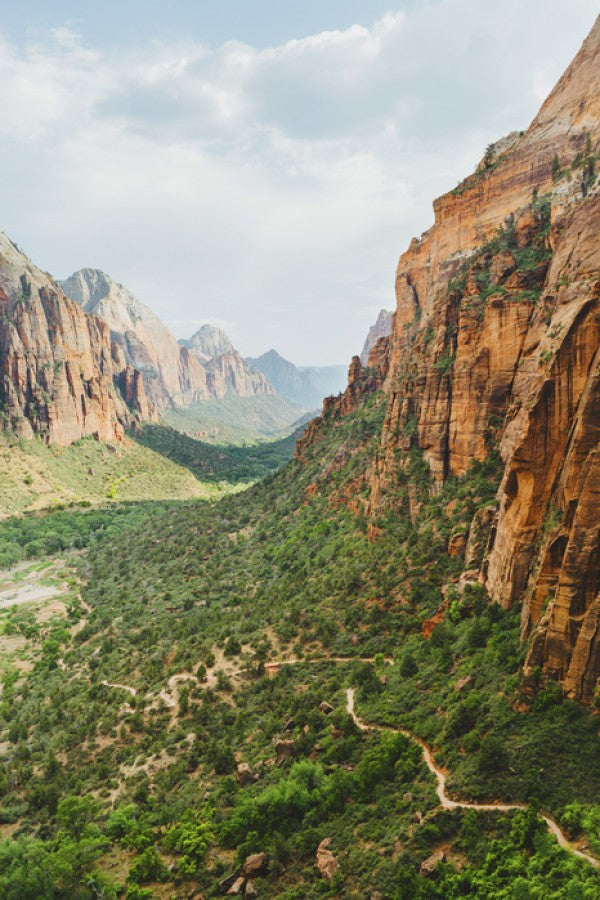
(429, 865)
(174, 373)
(381, 328)
(254, 865)
(326, 862)
(495, 350)
(60, 375)
(244, 775)
(361, 382)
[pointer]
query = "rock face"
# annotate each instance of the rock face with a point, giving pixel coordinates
(495, 349)
(61, 377)
(229, 372)
(174, 373)
(381, 328)
(361, 382)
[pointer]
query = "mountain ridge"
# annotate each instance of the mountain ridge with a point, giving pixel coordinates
(175, 373)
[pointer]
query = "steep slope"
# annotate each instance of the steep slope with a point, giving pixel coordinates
(495, 349)
(175, 373)
(381, 328)
(61, 376)
(37, 477)
(305, 690)
(171, 376)
(200, 700)
(236, 420)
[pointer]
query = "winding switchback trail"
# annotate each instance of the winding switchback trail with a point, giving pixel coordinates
(122, 687)
(445, 800)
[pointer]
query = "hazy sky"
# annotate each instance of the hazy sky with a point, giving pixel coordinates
(259, 164)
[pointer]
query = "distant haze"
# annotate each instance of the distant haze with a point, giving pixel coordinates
(257, 167)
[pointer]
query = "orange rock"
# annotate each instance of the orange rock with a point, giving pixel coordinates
(518, 370)
(60, 375)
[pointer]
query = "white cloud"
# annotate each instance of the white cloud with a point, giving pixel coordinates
(272, 189)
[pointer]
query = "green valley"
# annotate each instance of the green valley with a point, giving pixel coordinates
(153, 745)
(250, 651)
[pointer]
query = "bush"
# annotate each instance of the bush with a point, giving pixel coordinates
(148, 866)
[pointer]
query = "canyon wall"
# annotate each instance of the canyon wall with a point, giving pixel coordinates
(495, 351)
(61, 377)
(175, 373)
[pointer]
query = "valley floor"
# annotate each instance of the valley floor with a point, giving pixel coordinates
(189, 685)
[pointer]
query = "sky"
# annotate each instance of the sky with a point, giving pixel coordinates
(259, 164)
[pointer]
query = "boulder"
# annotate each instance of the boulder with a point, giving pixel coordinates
(429, 865)
(227, 882)
(326, 707)
(244, 775)
(237, 887)
(326, 863)
(255, 864)
(284, 750)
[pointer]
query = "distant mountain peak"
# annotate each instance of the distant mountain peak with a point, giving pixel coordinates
(307, 385)
(209, 341)
(175, 373)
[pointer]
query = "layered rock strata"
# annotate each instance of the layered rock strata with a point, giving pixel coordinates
(61, 377)
(174, 373)
(495, 349)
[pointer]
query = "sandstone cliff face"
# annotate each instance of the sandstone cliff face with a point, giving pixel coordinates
(226, 370)
(60, 376)
(362, 381)
(170, 376)
(174, 373)
(229, 372)
(495, 349)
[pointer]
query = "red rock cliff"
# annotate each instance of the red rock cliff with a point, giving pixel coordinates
(60, 376)
(495, 348)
